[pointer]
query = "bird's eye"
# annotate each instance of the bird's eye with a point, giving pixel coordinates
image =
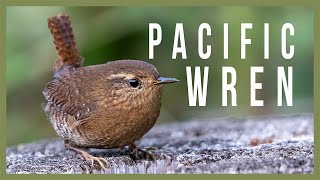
(134, 82)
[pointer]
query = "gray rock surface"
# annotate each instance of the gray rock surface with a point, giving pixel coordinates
(282, 144)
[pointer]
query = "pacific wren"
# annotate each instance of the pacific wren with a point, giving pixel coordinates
(104, 106)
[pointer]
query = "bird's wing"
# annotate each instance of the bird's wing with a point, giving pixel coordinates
(65, 93)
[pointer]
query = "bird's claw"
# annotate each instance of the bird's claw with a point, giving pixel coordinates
(145, 152)
(100, 160)
(88, 157)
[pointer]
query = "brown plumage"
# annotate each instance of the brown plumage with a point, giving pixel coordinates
(110, 105)
(63, 38)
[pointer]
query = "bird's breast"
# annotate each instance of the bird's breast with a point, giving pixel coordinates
(121, 122)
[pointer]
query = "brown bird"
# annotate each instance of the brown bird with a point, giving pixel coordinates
(104, 106)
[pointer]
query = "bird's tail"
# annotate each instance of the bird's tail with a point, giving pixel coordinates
(63, 38)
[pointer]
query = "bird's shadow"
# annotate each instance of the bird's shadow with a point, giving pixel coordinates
(121, 153)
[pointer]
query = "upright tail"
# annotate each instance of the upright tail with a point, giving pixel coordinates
(63, 38)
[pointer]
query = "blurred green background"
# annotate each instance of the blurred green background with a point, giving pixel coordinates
(110, 33)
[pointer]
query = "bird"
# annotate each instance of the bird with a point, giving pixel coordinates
(102, 106)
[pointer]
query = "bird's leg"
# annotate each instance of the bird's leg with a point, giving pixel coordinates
(146, 154)
(88, 157)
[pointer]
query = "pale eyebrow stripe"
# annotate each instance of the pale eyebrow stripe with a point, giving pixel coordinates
(120, 75)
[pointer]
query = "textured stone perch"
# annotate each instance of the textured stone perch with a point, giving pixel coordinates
(281, 144)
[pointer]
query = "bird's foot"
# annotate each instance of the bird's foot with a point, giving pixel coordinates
(102, 162)
(92, 159)
(145, 152)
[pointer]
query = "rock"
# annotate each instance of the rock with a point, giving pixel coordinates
(282, 144)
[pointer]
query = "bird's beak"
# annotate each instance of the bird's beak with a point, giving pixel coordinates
(164, 80)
